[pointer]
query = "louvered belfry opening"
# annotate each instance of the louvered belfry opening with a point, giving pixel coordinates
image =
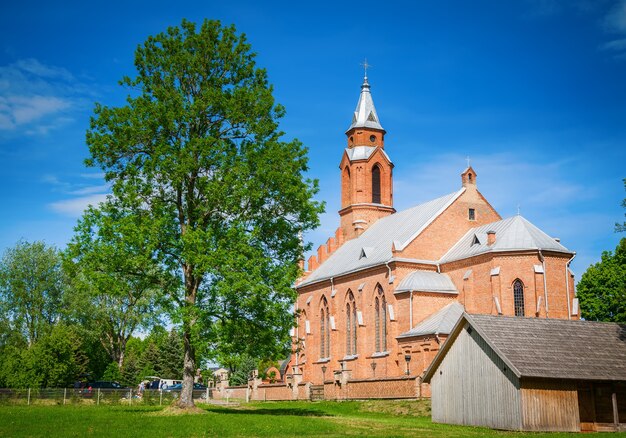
(376, 185)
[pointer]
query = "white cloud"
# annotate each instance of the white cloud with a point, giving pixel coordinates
(99, 175)
(36, 98)
(508, 181)
(88, 190)
(36, 68)
(79, 195)
(76, 206)
(615, 21)
(617, 45)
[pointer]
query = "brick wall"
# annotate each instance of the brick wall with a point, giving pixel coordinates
(230, 392)
(277, 391)
(391, 388)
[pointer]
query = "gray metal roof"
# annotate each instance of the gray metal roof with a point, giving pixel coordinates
(441, 322)
(548, 348)
(399, 228)
(427, 281)
(515, 233)
(360, 152)
(365, 115)
(364, 152)
(557, 348)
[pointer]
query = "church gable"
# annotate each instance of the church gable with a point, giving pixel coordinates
(468, 211)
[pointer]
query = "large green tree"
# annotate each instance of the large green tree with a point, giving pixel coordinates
(31, 289)
(196, 154)
(602, 288)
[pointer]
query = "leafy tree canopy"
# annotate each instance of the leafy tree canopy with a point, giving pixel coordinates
(196, 155)
(602, 288)
(31, 288)
(115, 283)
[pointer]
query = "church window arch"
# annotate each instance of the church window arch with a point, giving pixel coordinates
(376, 192)
(324, 329)
(518, 297)
(380, 315)
(351, 325)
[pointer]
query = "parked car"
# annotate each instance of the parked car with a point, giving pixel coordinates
(179, 386)
(155, 382)
(199, 390)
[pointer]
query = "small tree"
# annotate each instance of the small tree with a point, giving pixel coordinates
(31, 288)
(602, 288)
(196, 155)
(115, 282)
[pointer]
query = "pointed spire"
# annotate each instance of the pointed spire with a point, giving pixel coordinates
(365, 115)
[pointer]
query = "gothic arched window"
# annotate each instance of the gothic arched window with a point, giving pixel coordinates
(324, 329)
(518, 297)
(376, 185)
(380, 306)
(351, 326)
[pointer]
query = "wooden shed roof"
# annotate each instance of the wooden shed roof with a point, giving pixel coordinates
(549, 348)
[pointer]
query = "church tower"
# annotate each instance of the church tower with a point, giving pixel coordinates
(366, 170)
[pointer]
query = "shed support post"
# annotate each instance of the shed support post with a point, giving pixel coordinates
(615, 411)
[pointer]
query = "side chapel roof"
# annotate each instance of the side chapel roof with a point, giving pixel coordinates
(427, 281)
(441, 322)
(514, 233)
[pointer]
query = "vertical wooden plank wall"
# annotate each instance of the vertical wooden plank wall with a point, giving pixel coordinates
(472, 386)
(550, 406)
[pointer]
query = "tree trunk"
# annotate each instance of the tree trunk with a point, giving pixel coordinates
(189, 372)
(120, 357)
(189, 362)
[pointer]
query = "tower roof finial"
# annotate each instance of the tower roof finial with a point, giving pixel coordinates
(365, 67)
(365, 114)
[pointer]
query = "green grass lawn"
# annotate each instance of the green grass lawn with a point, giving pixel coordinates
(269, 419)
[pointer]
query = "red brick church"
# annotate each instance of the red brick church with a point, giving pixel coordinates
(381, 296)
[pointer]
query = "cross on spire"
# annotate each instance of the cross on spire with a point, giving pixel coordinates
(518, 206)
(365, 66)
(468, 161)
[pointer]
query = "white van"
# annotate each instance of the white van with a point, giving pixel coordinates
(155, 382)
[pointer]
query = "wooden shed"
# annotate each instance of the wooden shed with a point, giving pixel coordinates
(531, 374)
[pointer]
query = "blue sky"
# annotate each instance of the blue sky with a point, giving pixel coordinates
(533, 91)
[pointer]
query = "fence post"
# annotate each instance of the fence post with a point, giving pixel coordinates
(130, 397)
(28, 402)
(98, 400)
(64, 395)
(207, 394)
(160, 398)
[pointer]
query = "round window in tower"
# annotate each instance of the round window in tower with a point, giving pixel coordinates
(372, 138)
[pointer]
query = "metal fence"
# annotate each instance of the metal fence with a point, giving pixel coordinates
(95, 396)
